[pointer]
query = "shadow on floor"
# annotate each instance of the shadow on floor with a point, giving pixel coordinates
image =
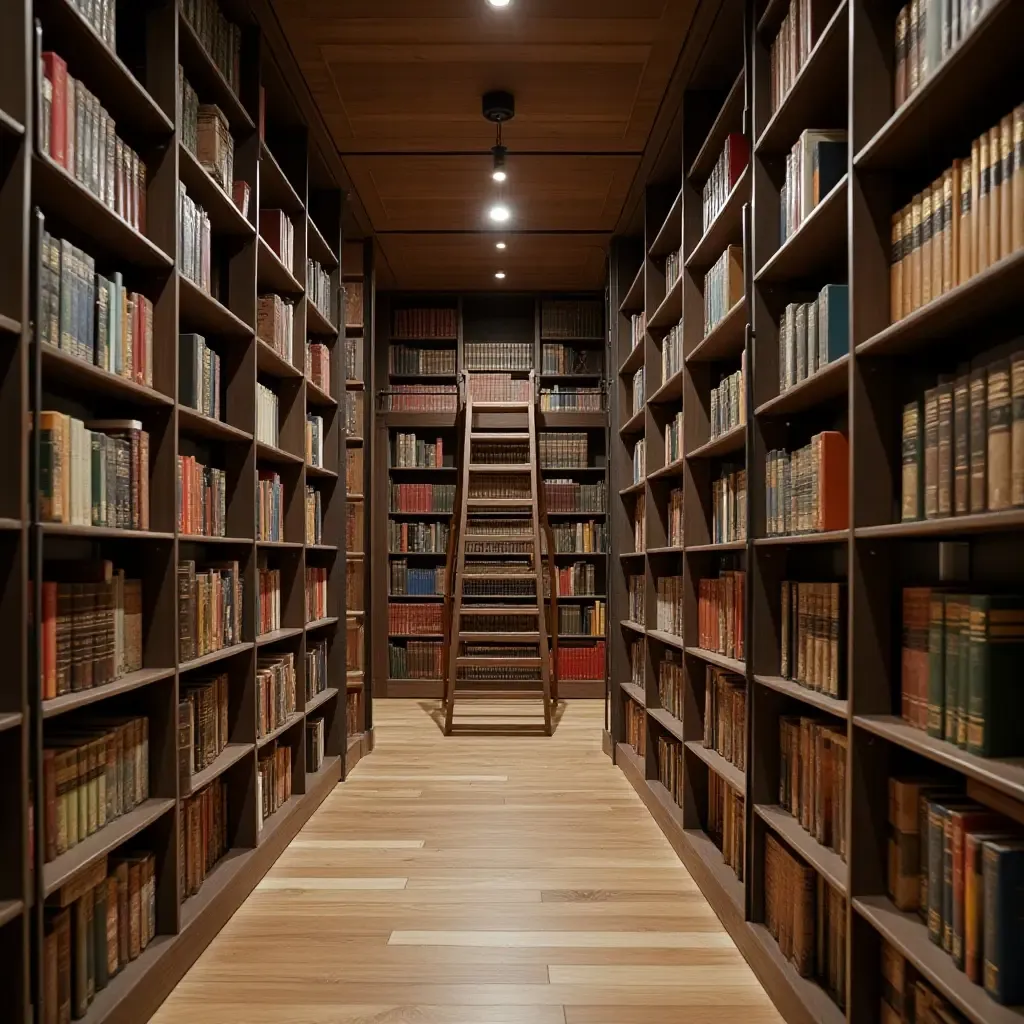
(503, 718)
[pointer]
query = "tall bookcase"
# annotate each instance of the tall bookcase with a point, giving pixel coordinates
(280, 157)
(846, 80)
(427, 352)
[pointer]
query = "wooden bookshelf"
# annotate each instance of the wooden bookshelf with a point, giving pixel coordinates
(427, 352)
(287, 165)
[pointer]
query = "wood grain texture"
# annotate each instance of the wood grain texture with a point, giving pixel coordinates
(540, 905)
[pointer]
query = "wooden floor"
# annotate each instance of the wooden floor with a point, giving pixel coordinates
(475, 880)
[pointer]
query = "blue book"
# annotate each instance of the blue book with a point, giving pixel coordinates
(833, 323)
(1003, 879)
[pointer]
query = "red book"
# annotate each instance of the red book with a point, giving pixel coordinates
(832, 453)
(49, 640)
(56, 70)
(737, 155)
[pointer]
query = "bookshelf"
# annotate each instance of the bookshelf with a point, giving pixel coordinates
(187, 389)
(843, 566)
(433, 339)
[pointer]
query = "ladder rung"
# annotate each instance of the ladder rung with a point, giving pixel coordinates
(482, 638)
(519, 537)
(499, 576)
(507, 609)
(499, 502)
(474, 661)
(476, 436)
(500, 406)
(498, 694)
(511, 467)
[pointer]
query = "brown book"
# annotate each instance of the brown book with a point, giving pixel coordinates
(927, 225)
(902, 20)
(916, 247)
(965, 224)
(950, 235)
(1000, 419)
(938, 235)
(113, 961)
(979, 440)
(1017, 429)
(1017, 186)
(914, 46)
(953, 214)
(945, 453)
(896, 269)
(983, 219)
(1006, 186)
(995, 192)
(961, 445)
(931, 453)
(976, 212)
(804, 885)
(831, 454)
(908, 247)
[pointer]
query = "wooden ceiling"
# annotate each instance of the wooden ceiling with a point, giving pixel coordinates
(399, 84)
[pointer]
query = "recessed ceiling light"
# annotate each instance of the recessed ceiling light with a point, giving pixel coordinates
(499, 245)
(499, 212)
(499, 3)
(500, 275)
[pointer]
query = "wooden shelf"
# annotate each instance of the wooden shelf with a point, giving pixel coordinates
(733, 440)
(281, 545)
(826, 862)
(318, 325)
(291, 720)
(202, 538)
(831, 381)
(8, 325)
(673, 469)
(791, 539)
(670, 312)
(210, 83)
(10, 910)
(225, 217)
(822, 701)
(191, 421)
(667, 721)
(634, 300)
(636, 488)
(270, 361)
(319, 248)
(328, 474)
(277, 635)
(202, 312)
(633, 626)
(319, 699)
(725, 340)
(329, 620)
(670, 236)
(82, 698)
(61, 365)
(669, 639)
(724, 546)
(728, 120)
(670, 391)
(634, 425)
(100, 532)
(271, 453)
(726, 229)
(736, 777)
(714, 658)
(633, 361)
(229, 756)
(951, 526)
(276, 191)
(214, 656)
(273, 275)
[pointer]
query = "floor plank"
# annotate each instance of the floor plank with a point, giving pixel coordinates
(475, 880)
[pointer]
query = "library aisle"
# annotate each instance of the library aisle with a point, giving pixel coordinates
(475, 880)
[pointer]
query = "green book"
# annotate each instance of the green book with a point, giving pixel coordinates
(937, 664)
(995, 725)
(955, 609)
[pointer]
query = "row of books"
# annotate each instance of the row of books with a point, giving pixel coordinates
(669, 757)
(354, 471)
(571, 318)
(195, 241)
(403, 581)
(672, 352)
(636, 607)
(728, 506)
(494, 355)
(318, 288)
(425, 323)
(498, 387)
(576, 580)
(969, 218)
(411, 619)
(76, 132)
(203, 730)
(93, 317)
(725, 715)
(353, 296)
(267, 415)
(812, 777)
(102, 15)
(352, 408)
(637, 654)
(97, 924)
(315, 440)
(963, 445)
(640, 522)
(278, 231)
(638, 328)
(94, 473)
(639, 390)
(92, 626)
(731, 163)
(268, 600)
(410, 451)
(588, 537)
(354, 713)
(813, 334)
(275, 324)
(807, 917)
(557, 358)
(316, 593)
(354, 533)
(812, 638)
(275, 692)
(416, 659)
(582, 662)
(219, 37)
(562, 399)
(270, 507)
(354, 360)
(209, 608)
(807, 491)
(906, 997)
(720, 614)
(273, 780)
(572, 496)
(674, 439)
(316, 734)
(203, 835)
(640, 460)
(501, 485)
(314, 515)
(355, 646)
(959, 657)
(814, 166)
(318, 365)
(582, 619)
(636, 726)
(670, 678)
(418, 538)
(727, 823)
(202, 498)
(799, 31)
(200, 382)
(409, 360)
(206, 134)
(421, 398)
(673, 263)
(723, 287)
(92, 776)
(563, 450)
(670, 604)
(729, 402)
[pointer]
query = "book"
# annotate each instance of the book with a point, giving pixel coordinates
(808, 489)
(995, 645)
(723, 287)
(1003, 874)
(201, 493)
(912, 479)
(209, 608)
(204, 835)
(812, 641)
(276, 688)
(720, 613)
(725, 715)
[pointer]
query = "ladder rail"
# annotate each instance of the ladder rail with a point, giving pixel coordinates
(449, 570)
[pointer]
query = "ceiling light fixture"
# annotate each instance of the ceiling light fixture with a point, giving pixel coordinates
(500, 275)
(499, 106)
(499, 174)
(499, 3)
(499, 213)
(499, 245)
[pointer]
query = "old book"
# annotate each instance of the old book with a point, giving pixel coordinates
(896, 269)
(999, 436)
(984, 215)
(937, 620)
(938, 236)
(900, 58)
(916, 247)
(927, 226)
(945, 448)
(1003, 873)
(961, 445)
(961, 824)
(1017, 430)
(931, 453)
(912, 496)
(995, 711)
(1017, 181)
(1005, 161)
(979, 440)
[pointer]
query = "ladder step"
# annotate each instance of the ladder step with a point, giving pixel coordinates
(477, 436)
(499, 694)
(499, 502)
(499, 576)
(511, 467)
(498, 538)
(482, 638)
(506, 609)
(473, 661)
(499, 406)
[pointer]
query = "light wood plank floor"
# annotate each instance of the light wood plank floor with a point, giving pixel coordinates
(475, 880)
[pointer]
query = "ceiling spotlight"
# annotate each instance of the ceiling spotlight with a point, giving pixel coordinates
(499, 106)
(499, 151)
(499, 3)
(500, 213)
(500, 275)
(499, 245)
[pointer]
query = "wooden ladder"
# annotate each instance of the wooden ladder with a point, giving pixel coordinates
(499, 581)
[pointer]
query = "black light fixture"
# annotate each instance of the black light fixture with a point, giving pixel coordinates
(498, 107)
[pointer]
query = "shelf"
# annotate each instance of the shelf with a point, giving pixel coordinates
(670, 312)
(276, 191)
(102, 842)
(726, 340)
(815, 89)
(292, 719)
(671, 549)
(635, 423)
(325, 548)
(826, 862)
(272, 274)
(947, 102)
(419, 419)
(831, 381)
(328, 474)
(722, 546)
(201, 311)
(910, 936)
(285, 545)
(230, 755)
(950, 526)
(833, 705)
(670, 391)
(1003, 774)
(209, 81)
(703, 846)
(633, 488)
(328, 620)
(733, 440)
(812, 248)
(824, 537)
(994, 290)
(634, 300)
(8, 325)
(280, 817)
(213, 657)
(669, 639)
(667, 721)
(11, 125)
(82, 698)
(319, 248)
(225, 217)
(570, 419)
(191, 421)
(423, 469)
(98, 226)
(319, 699)
(624, 752)
(276, 635)
(271, 453)
(271, 362)
(202, 538)
(579, 554)
(98, 532)
(101, 70)
(673, 469)
(726, 229)
(725, 769)
(728, 119)
(218, 878)
(633, 626)
(318, 325)
(10, 910)
(623, 555)
(66, 367)
(426, 515)
(714, 658)
(579, 514)
(670, 235)
(633, 361)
